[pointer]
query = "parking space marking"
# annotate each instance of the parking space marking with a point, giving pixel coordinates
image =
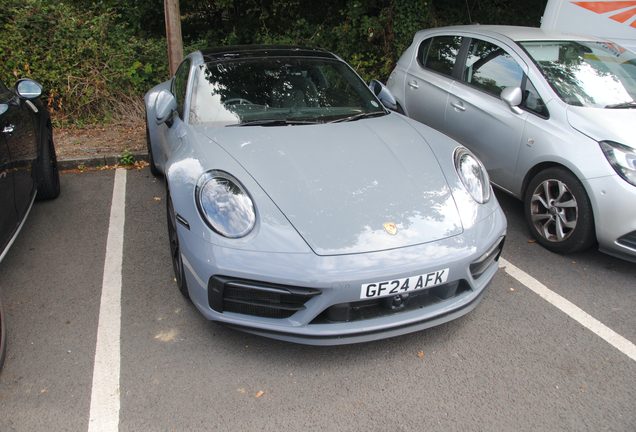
(574, 312)
(105, 400)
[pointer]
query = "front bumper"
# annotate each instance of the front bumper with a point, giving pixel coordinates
(614, 204)
(333, 313)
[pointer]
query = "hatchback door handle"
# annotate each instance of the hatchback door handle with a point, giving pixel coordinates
(413, 84)
(458, 106)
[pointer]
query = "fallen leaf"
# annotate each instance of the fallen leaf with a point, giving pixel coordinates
(157, 199)
(166, 336)
(532, 241)
(259, 394)
(420, 354)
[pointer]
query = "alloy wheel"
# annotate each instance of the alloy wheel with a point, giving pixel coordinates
(554, 210)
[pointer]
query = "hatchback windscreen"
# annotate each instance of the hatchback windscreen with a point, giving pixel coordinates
(279, 91)
(592, 74)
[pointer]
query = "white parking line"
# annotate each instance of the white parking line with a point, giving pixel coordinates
(607, 334)
(105, 401)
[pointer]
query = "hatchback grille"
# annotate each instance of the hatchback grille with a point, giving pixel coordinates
(257, 298)
(628, 240)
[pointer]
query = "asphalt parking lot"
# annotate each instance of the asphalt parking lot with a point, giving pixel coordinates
(562, 359)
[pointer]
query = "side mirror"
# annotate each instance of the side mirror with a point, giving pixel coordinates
(384, 94)
(165, 106)
(513, 97)
(28, 89)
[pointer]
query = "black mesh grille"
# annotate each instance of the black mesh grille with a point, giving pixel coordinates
(257, 298)
(252, 294)
(256, 310)
(370, 309)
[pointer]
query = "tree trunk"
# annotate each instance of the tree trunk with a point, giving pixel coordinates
(173, 34)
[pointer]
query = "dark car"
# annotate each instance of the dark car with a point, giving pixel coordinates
(28, 166)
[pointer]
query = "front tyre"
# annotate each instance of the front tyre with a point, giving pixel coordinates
(151, 159)
(175, 249)
(558, 211)
(3, 336)
(49, 186)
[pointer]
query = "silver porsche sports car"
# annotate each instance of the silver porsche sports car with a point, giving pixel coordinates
(299, 208)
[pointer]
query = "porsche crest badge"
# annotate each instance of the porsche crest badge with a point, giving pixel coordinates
(390, 228)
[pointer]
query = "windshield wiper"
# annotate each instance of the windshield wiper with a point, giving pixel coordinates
(359, 116)
(277, 122)
(630, 104)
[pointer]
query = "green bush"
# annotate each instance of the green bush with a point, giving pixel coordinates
(89, 64)
(96, 58)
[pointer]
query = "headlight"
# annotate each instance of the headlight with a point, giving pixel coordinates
(622, 158)
(225, 205)
(473, 175)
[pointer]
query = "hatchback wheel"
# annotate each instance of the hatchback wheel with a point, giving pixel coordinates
(558, 211)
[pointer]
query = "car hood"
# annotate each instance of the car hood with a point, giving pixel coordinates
(604, 124)
(339, 184)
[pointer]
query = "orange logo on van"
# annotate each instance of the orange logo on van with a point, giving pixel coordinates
(611, 6)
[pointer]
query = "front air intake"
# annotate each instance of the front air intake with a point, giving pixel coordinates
(479, 266)
(257, 298)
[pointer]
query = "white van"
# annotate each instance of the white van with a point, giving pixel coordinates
(607, 19)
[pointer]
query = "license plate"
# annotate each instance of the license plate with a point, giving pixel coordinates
(403, 286)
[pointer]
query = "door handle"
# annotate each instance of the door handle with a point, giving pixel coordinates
(458, 106)
(9, 128)
(413, 84)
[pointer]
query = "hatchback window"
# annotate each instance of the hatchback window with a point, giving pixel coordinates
(533, 102)
(490, 68)
(443, 53)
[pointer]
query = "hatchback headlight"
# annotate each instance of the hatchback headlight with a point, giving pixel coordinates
(473, 175)
(622, 159)
(225, 205)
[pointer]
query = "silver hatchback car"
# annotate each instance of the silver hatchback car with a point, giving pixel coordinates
(551, 115)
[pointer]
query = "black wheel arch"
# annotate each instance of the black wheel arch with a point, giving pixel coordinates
(536, 170)
(48, 187)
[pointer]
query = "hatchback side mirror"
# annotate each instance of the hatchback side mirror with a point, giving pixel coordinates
(513, 97)
(384, 94)
(165, 106)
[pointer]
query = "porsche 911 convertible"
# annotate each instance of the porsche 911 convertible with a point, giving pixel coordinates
(300, 208)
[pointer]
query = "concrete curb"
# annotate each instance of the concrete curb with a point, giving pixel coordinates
(70, 163)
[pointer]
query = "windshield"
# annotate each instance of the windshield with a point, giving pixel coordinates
(278, 91)
(592, 74)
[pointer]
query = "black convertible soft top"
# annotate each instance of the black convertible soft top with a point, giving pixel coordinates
(255, 51)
